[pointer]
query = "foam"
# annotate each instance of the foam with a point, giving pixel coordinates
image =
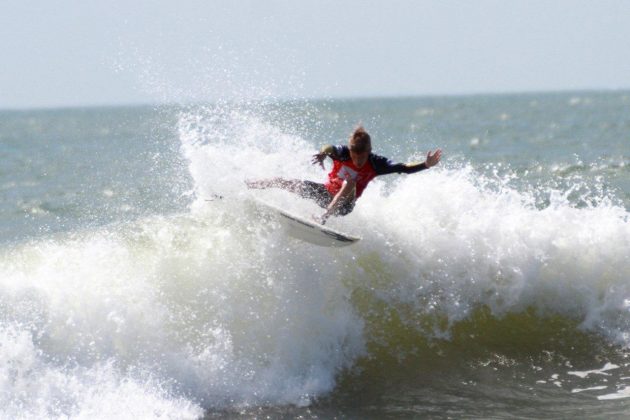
(35, 386)
(204, 310)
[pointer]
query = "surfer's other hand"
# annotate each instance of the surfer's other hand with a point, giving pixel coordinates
(319, 159)
(433, 159)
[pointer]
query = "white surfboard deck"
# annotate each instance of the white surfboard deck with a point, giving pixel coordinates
(308, 230)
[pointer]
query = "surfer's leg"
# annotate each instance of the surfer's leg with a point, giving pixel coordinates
(293, 185)
(306, 189)
(316, 192)
(345, 208)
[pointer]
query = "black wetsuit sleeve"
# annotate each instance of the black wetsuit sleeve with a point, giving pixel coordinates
(336, 152)
(384, 166)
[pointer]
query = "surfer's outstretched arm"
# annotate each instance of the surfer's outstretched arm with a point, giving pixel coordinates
(384, 166)
(327, 150)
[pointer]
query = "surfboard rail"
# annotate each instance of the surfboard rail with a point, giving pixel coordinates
(308, 231)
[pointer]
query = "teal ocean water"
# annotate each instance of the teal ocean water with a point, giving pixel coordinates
(494, 285)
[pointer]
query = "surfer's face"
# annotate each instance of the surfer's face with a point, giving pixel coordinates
(359, 153)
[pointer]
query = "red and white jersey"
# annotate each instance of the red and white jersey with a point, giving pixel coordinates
(343, 169)
(347, 170)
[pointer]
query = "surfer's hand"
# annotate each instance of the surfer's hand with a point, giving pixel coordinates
(319, 159)
(320, 219)
(433, 159)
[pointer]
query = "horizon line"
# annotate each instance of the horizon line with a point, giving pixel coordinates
(288, 99)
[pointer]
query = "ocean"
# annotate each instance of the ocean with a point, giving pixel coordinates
(494, 285)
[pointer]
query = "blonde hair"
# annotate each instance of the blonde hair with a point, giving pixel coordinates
(360, 140)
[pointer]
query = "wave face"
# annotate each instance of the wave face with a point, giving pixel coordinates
(462, 275)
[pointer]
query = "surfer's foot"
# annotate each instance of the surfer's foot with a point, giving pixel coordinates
(214, 197)
(319, 219)
(256, 184)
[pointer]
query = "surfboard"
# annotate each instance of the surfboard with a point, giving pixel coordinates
(308, 230)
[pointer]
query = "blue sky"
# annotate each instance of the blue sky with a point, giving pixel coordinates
(73, 53)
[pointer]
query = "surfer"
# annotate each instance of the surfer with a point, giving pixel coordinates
(354, 166)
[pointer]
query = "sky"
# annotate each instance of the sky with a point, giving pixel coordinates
(81, 53)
